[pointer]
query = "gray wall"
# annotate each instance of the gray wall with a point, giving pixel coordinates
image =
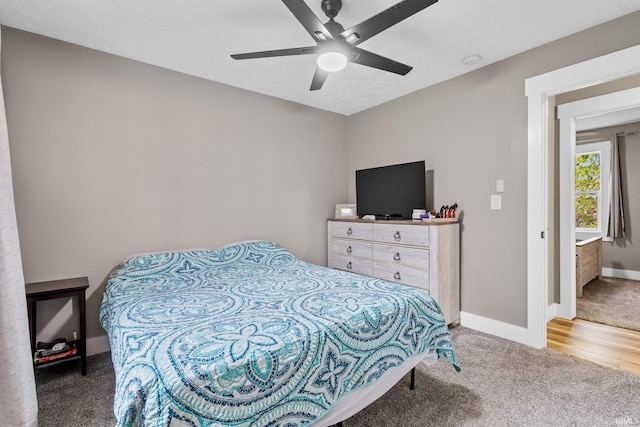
(112, 157)
(472, 130)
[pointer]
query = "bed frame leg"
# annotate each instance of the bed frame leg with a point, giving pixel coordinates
(412, 385)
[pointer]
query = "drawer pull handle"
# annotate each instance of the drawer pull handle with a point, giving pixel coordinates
(396, 257)
(349, 250)
(349, 266)
(396, 236)
(397, 275)
(349, 231)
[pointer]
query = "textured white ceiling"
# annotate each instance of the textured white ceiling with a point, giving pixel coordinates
(196, 37)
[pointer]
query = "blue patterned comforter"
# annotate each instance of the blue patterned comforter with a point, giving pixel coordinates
(251, 336)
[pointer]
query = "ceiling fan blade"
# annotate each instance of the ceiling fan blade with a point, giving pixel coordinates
(364, 57)
(308, 19)
(279, 52)
(383, 20)
(318, 78)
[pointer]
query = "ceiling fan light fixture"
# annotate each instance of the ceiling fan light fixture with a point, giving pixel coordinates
(332, 61)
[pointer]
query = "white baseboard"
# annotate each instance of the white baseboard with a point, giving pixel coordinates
(552, 311)
(97, 345)
(621, 274)
(497, 328)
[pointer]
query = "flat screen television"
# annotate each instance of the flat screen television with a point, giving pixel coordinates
(391, 192)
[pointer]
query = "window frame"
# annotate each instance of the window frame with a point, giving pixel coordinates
(604, 148)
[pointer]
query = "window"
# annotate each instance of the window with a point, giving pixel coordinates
(592, 189)
(588, 179)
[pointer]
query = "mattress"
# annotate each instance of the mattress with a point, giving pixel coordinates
(249, 335)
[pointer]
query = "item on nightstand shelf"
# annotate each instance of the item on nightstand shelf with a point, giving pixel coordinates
(47, 352)
(48, 348)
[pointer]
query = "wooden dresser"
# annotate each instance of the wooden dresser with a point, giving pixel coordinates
(588, 262)
(425, 255)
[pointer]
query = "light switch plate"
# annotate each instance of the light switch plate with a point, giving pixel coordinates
(496, 201)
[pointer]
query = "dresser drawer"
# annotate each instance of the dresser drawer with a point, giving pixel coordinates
(400, 274)
(352, 264)
(351, 230)
(414, 235)
(408, 266)
(351, 248)
(401, 256)
(351, 255)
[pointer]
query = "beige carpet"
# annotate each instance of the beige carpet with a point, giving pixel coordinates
(611, 301)
(501, 384)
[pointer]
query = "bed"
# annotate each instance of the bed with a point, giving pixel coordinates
(249, 335)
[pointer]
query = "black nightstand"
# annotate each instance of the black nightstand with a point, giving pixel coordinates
(54, 289)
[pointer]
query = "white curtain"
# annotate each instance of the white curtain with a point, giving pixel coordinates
(616, 209)
(19, 405)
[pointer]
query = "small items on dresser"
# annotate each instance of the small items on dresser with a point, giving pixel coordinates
(418, 214)
(446, 212)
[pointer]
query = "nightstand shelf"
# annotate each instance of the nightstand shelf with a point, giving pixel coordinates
(76, 356)
(65, 288)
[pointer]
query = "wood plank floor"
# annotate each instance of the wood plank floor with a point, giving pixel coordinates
(607, 345)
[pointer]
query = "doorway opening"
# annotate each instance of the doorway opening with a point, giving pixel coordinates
(569, 115)
(539, 90)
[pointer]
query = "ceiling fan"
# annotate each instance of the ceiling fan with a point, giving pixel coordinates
(336, 46)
